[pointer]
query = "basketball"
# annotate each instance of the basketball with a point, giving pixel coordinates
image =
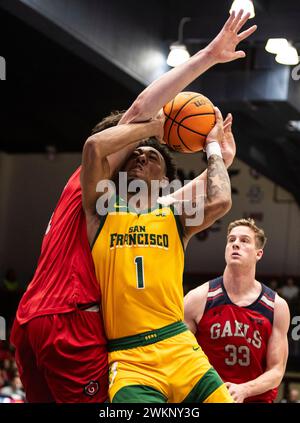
(189, 118)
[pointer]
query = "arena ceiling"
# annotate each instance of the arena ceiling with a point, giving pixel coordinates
(70, 62)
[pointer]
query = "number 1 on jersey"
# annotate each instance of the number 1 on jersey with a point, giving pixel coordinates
(139, 262)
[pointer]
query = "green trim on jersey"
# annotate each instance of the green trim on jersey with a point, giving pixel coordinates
(179, 226)
(102, 220)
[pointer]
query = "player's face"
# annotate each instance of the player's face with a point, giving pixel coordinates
(145, 163)
(241, 248)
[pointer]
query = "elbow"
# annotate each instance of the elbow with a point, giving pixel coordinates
(223, 206)
(278, 380)
(227, 204)
(277, 377)
(92, 147)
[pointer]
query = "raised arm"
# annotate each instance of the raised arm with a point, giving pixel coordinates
(165, 88)
(218, 190)
(277, 355)
(95, 164)
(162, 90)
(228, 149)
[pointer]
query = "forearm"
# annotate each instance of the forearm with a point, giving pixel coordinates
(117, 159)
(218, 190)
(188, 191)
(97, 150)
(268, 380)
(165, 88)
(116, 141)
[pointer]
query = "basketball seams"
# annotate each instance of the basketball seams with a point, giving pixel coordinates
(199, 114)
(186, 127)
(184, 136)
(167, 140)
(182, 107)
(190, 129)
(188, 148)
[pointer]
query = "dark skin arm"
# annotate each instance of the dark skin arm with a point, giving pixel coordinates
(95, 164)
(218, 189)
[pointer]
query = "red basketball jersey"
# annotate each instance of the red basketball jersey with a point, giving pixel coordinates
(234, 338)
(65, 276)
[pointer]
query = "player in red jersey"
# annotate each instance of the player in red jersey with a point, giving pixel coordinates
(58, 333)
(53, 318)
(240, 323)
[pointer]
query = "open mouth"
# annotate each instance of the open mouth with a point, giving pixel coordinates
(137, 166)
(235, 255)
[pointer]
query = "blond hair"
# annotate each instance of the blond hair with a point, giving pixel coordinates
(260, 237)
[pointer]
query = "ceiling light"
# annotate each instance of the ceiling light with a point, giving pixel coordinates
(293, 125)
(246, 5)
(178, 51)
(276, 45)
(288, 56)
(178, 54)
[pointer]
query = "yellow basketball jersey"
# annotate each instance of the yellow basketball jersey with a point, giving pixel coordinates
(139, 260)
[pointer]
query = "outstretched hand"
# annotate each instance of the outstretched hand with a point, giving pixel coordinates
(222, 48)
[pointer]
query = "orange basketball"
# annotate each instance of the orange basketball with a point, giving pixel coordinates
(189, 118)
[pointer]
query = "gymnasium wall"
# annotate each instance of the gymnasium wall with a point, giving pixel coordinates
(30, 185)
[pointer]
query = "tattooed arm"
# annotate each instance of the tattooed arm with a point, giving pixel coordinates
(216, 202)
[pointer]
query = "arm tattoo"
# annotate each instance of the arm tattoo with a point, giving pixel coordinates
(218, 183)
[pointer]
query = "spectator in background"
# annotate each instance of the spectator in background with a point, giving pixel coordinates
(10, 294)
(290, 291)
(14, 389)
(273, 284)
(292, 396)
(3, 377)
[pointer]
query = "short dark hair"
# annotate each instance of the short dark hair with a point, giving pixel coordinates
(171, 170)
(108, 122)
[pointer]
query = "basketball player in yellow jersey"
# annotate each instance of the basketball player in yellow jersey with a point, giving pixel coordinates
(139, 255)
(139, 259)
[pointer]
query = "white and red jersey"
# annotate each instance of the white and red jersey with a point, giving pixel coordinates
(235, 338)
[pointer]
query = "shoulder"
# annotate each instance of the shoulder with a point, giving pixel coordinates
(281, 312)
(280, 304)
(195, 300)
(198, 293)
